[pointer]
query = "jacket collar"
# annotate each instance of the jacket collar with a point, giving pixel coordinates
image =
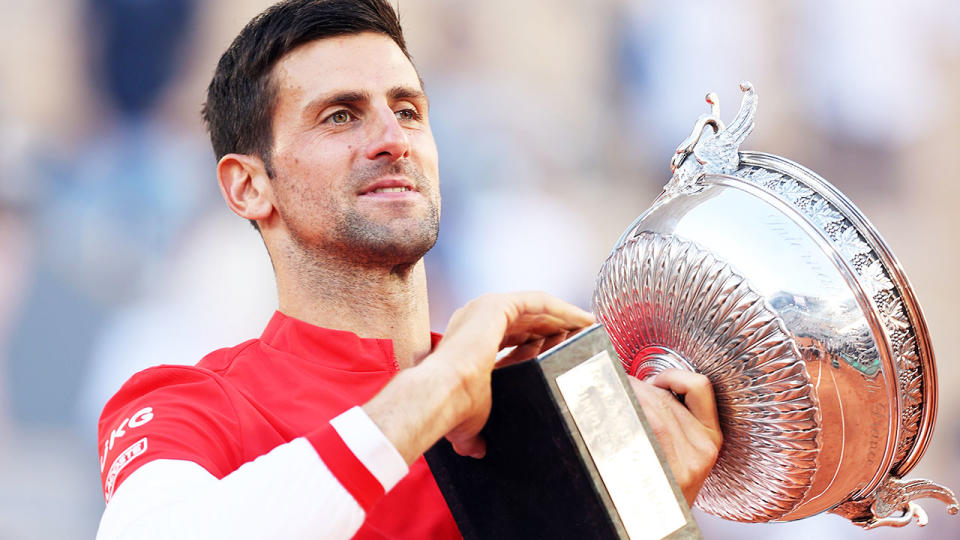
(339, 349)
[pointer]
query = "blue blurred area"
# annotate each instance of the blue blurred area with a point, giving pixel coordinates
(137, 47)
(555, 123)
(110, 210)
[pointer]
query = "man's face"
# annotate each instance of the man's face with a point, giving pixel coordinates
(354, 159)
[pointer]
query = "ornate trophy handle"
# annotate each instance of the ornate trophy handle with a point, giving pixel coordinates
(711, 119)
(716, 153)
(892, 505)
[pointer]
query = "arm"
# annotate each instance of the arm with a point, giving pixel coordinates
(457, 373)
(290, 492)
(296, 490)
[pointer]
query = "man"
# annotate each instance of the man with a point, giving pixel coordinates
(317, 429)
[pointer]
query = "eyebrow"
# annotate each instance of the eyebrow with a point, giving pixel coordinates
(406, 92)
(359, 96)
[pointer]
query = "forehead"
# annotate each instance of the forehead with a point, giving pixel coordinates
(368, 61)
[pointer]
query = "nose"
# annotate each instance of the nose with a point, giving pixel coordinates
(387, 138)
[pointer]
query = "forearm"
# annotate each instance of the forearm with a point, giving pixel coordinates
(419, 406)
(448, 393)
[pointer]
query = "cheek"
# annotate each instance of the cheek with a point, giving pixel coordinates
(312, 148)
(301, 188)
(427, 151)
(309, 171)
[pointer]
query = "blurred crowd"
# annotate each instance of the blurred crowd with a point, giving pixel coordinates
(555, 121)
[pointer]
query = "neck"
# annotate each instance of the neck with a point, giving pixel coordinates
(370, 301)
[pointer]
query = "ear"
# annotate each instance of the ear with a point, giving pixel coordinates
(245, 186)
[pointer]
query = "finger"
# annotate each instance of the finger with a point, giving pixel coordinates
(535, 303)
(541, 324)
(474, 446)
(552, 341)
(700, 436)
(521, 353)
(704, 431)
(516, 339)
(697, 393)
(701, 442)
(577, 331)
(532, 348)
(684, 440)
(659, 414)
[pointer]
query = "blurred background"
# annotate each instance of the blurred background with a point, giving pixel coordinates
(555, 120)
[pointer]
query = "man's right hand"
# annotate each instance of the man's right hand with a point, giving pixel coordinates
(476, 333)
(448, 393)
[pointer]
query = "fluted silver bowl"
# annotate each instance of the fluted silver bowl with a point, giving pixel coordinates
(759, 274)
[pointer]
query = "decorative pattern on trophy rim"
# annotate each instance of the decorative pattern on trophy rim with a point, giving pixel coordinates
(877, 282)
(685, 308)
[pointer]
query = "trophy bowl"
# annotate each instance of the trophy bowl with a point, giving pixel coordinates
(762, 276)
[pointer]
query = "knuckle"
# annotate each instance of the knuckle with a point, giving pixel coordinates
(702, 382)
(487, 304)
(708, 452)
(482, 300)
(712, 452)
(663, 397)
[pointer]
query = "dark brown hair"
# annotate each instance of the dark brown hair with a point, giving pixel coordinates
(240, 99)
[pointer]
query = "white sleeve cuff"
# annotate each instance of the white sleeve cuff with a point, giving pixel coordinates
(285, 493)
(371, 447)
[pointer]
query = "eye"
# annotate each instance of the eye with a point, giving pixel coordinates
(340, 117)
(408, 114)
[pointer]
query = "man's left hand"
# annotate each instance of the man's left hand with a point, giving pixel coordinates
(689, 432)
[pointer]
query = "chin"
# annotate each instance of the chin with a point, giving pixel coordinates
(394, 243)
(398, 253)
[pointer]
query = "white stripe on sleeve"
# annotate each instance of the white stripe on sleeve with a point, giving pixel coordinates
(371, 447)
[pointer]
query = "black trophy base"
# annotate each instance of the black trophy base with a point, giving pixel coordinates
(537, 479)
(532, 482)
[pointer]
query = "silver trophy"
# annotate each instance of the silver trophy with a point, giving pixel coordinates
(759, 274)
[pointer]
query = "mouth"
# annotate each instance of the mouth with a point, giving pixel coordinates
(390, 190)
(388, 185)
